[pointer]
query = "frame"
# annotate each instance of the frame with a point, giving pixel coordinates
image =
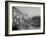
(11, 6)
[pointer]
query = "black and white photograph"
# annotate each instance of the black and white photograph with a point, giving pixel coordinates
(25, 18)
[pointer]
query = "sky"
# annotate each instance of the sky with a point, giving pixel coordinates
(30, 11)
